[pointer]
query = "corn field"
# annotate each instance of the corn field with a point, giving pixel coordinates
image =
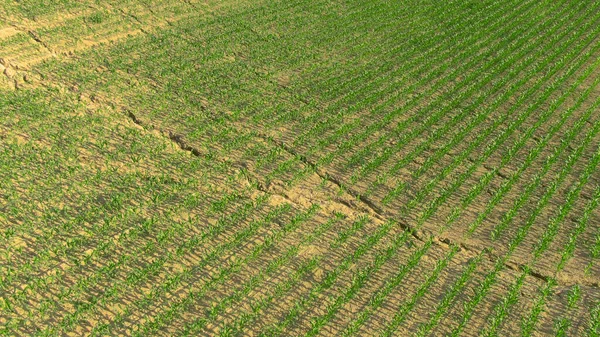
(299, 168)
